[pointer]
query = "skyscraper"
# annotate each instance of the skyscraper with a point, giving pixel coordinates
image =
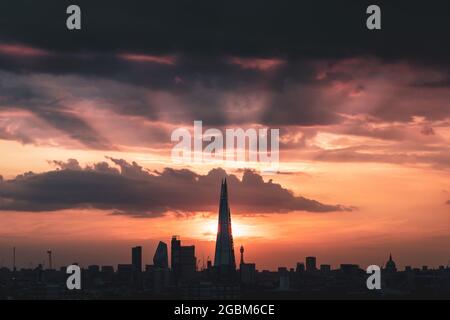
(160, 259)
(136, 259)
(183, 260)
(224, 255)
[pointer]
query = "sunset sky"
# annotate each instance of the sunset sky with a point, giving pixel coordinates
(86, 119)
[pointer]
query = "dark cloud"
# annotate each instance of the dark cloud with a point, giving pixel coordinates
(300, 105)
(301, 29)
(135, 191)
(202, 81)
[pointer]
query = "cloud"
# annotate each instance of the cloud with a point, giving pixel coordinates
(45, 100)
(261, 64)
(437, 158)
(299, 30)
(145, 58)
(71, 164)
(115, 88)
(18, 50)
(8, 134)
(129, 189)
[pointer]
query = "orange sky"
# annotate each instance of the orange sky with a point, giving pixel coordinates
(412, 223)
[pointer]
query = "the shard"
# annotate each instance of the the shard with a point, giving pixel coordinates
(224, 255)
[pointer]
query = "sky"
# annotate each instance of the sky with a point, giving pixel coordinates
(86, 119)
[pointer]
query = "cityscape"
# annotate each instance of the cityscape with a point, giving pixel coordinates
(226, 277)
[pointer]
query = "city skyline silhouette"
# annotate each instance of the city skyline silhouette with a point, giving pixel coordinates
(183, 277)
(115, 138)
(223, 243)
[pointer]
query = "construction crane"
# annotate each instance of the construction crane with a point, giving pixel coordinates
(49, 252)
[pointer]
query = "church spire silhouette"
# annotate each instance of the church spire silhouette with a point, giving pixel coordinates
(224, 255)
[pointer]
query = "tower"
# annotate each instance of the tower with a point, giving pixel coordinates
(49, 252)
(224, 255)
(242, 254)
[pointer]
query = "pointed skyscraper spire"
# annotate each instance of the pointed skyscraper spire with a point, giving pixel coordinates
(224, 255)
(224, 191)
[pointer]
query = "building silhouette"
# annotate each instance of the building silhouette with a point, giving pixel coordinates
(310, 264)
(247, 271)
(161, 258)
(125, 273)
(224, 253)
(325, 268)
(390, 265)
(157, 276)
(284, 281)
(183, 260)
(136, 265)
(136, 259)
(300, 267)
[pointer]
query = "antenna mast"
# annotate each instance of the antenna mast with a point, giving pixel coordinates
(49, 252)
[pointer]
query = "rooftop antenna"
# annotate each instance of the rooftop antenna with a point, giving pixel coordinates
(49, 252)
